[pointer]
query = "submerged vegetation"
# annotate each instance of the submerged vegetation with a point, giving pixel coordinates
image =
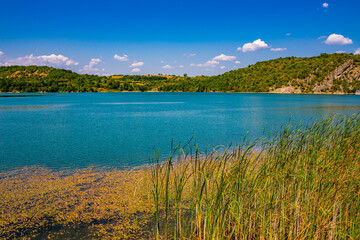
(327, 73)
(301, 183)
(82, 204)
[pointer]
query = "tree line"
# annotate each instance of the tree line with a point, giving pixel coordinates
(301, 73)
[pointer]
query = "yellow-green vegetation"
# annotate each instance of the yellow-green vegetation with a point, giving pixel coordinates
(301, 183)
(83, 204)
(327, 73)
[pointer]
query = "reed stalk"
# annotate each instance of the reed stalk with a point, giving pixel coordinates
(302, 182)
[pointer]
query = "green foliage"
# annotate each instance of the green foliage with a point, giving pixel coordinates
(301, 73)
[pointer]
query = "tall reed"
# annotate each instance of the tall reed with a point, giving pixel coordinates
(300, 183)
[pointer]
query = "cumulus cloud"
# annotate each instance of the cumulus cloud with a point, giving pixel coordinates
(137, 64)
(123, 58)
(1, 53)
(278, 49)
(44, 60)
(91, 69)
(222, 67)
(181, 66)
(223, 57)
(210, 63)
(94, 61)
(340, 52)
(254, 46)
(322, 37)
(237, 62)
(136, 70)
(325, 5)
(337, 39)
(357, 51)
(167, 67)
(288, 34)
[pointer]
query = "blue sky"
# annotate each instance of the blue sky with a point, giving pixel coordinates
(172, 37)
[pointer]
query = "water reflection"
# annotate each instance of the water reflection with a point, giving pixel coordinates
(15, 95)
(29, 107)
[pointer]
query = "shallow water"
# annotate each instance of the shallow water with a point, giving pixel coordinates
(75, 130)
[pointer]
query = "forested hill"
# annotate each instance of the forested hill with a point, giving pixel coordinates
(327, 73)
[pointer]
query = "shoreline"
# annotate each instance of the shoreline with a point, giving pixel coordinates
(280, 93)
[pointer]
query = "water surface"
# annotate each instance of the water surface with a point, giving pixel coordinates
(75, 130)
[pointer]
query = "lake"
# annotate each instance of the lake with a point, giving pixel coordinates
(77, 130)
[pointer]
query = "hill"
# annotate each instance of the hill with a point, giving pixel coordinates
(327, 73)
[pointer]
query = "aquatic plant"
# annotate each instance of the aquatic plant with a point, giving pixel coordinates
(301, 183)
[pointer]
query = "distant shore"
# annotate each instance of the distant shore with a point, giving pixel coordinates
(328, 73)
(272, 92)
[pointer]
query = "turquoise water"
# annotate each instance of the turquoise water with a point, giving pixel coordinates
(76, 130)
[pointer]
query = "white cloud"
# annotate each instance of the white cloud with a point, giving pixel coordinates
(91, 69)
(288, 34)
(1, 53)
(254, 46)
(322, 37)
(137, 64)
(136, 70)
(48, 60)
(223, 57)
(189, 54)
(337, 39)
(357, 51)
(237, 62)
(222, 67)
(181, 66)
(123, 58)
(167, 67)
(325, 5)
(340, 52)
(94, 61)
(210, 63)
(278, 49)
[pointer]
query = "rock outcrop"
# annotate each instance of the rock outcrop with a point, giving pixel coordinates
(286, 89)
(347, 72)
(340, 70)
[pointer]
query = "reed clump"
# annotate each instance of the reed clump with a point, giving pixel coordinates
(301, 183)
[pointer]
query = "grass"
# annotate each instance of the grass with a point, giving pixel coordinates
(301, 183)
